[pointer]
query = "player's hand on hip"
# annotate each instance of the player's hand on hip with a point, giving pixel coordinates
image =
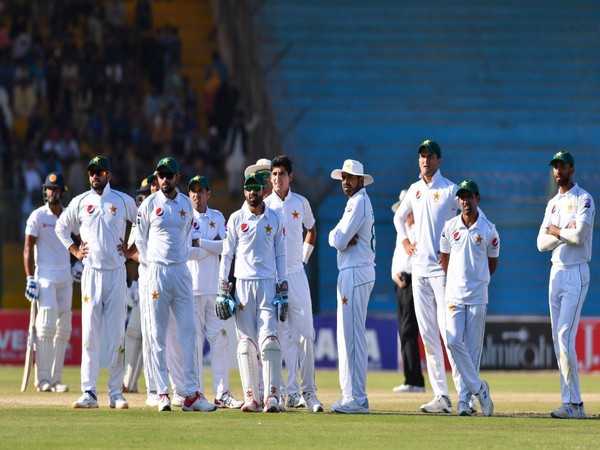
(77, 271)
(32, 290)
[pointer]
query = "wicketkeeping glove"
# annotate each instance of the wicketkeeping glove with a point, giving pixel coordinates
(32, 290)
(133, 294)
(225, 304)
(281, 300)
(76, 271)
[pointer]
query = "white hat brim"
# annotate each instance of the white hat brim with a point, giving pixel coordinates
(337, 175)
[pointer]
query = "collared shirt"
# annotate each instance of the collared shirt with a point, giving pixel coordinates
(102, 221)
(49, 253)
(432, 204)
(258, 244)
(358, 220)
(164, 229)
(564, 210)
(209, 228)
(469, 249)
(297, 215)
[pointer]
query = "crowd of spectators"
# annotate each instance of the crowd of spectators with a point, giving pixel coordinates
(78, 79)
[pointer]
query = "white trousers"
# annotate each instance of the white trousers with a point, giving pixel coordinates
(465, 327)
(170, 290)
(354, 286)
(568, 288)
(145, 300)
(103, 302)
(297, 336)
(430, 309)
(208, 327)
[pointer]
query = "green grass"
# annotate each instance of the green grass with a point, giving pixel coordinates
(522, 402)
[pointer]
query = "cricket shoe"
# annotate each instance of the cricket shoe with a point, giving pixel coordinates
(464, 409)
(487, 405)
(152, 399)
(228, 401)
(349, 407)
(473, 404)
(59, 387)
(177, 400)
(271, 405)
(439, 404)
(569, 411)
(87, 400)
(44, 386)
(252, 405)
(198, 402)
(312, 402)
(295, 401)
(409, 388)
(164, 402)
(117, 401)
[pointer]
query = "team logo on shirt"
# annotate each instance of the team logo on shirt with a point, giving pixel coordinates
(268, 229)
(113, 209)
(587, 204)
(478, 239)
(182, 213)
(196, 225)
(570, 207)
(91, 209)
(244, 228)
(456, 236)
(159, 212)
(212, 224)
(495, 242)
(295, 214)
(436, 196)
(418, 195)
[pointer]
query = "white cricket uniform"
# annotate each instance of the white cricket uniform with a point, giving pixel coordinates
(203, 263)
(467, 294)
(356, 265)
(569, 282)
(167, 225)
(432, 205)
(258, 244)
(102, 221)
(297, 333)
(53, 275)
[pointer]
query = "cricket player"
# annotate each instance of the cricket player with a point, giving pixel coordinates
(297, 333)
(203, 263)
(49, 278)
(104, 217)
(165, 219)
(255, 236)
(567, 231)
(469, 249)
(433, 201)
(354, 239)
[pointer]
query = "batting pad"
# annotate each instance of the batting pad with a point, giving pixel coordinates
(61, 342)
(45, 323)
(271, 355)
(248, 362)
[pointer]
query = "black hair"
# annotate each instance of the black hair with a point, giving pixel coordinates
(282, 161)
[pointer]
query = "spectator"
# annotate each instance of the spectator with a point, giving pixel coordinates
(143, 15)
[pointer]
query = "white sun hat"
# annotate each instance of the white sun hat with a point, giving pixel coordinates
(352, 167)
(400, 198)
(260, 166)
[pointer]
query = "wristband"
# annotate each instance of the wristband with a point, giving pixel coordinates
(307, 250)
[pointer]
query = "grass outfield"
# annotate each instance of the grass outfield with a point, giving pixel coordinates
(522, 403)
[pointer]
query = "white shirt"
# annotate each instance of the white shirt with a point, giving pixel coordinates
(258, 244)
(49, 253)
(102, 221)
(469, 249)
(358, 219)
(432, 204)
(576, 205)
(164, 229)
(297, 215)
(209, 228)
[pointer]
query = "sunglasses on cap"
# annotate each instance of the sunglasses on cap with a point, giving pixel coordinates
(99, 172)
(253, 187)
(265, 173)
(165, 175)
